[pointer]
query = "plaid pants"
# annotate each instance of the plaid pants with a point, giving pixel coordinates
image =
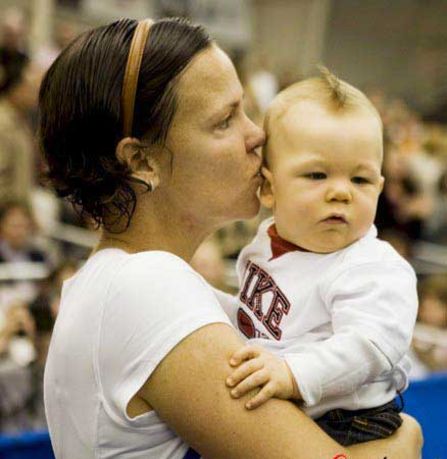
(350, 427)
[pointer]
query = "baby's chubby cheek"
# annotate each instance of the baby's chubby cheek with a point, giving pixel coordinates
(360, 228)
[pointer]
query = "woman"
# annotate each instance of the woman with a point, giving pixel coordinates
(141, 345)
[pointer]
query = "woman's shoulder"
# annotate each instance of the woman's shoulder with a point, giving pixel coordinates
(123, 262)
(118, 271)
(159, 258)
(155, 265)
(154, 271)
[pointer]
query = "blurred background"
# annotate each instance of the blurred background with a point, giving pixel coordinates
(395, 51)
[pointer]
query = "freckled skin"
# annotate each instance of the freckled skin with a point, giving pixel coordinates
(214, 163)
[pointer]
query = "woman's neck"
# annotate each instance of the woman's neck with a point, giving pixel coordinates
(168, 234)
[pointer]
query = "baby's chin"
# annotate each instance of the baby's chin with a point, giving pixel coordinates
(327, 245)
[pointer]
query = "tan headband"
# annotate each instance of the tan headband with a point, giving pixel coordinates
(131, 75)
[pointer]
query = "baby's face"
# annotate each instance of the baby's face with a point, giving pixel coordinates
(325, 176)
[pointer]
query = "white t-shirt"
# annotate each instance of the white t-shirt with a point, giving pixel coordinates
(120, 315)
(343, 321)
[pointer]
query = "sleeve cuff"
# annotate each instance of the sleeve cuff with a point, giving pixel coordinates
(304, 368)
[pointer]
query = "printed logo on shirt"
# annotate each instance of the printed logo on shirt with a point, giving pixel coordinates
(259, 288)
(247, 326)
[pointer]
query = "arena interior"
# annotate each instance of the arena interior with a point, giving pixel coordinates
(395, 51)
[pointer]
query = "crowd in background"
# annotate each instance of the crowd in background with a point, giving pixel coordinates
(43, 242)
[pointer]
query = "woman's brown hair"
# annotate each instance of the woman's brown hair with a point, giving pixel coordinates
(80, 116)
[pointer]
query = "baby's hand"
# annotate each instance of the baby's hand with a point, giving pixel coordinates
(259, 368)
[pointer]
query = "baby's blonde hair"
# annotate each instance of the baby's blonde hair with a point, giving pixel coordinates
(326, 90)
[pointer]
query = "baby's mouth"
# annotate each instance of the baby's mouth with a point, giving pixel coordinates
(336, 219)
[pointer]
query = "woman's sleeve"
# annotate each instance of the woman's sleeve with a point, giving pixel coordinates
(229, 304)
(149, 309)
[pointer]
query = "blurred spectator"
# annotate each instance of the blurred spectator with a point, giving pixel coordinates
(433, 301)
(22, 262)
(436, 226)
(413, 201)
(399, 240)
(17, 149)
(17, 334)
(64, 33)
(208, 262)
(402, 206)
(17, 228)
(430, 337)
(16, 354)
(12, 46)
(233, 237)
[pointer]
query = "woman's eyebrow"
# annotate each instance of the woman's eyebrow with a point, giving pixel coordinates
(226, 108)
(235, 103)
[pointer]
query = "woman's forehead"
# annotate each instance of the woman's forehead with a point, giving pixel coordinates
(209, 83)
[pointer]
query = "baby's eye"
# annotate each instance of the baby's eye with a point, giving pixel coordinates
(360, 180)
(316, 175)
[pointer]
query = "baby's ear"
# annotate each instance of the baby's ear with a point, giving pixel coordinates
(267, 189)
(381, 184)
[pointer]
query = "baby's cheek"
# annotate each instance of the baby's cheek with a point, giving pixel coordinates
(363, 222)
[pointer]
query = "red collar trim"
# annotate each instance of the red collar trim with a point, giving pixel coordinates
(279, 245)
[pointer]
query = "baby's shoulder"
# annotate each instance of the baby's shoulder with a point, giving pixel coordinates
(371, 253)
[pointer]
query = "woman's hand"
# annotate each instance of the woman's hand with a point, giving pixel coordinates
(258, 368)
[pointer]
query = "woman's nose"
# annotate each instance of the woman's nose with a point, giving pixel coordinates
(256, 136)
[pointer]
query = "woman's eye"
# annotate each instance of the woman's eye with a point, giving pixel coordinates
(360, 180)
(225, 124)
(316, 175)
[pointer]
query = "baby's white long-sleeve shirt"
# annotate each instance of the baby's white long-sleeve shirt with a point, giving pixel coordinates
(343, 321)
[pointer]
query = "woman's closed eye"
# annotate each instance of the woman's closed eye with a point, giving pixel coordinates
(315, 175)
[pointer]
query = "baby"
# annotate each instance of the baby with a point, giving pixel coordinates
(329, 309)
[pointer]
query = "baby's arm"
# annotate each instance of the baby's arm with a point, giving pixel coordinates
(255, 366)
(373, 311)
(373, 316)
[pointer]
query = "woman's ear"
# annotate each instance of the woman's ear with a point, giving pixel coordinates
(137, 157)
(267, 195)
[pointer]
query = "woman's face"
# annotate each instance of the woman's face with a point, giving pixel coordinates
(215, 165)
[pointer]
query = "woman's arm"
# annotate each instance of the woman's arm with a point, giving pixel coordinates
(188, 391)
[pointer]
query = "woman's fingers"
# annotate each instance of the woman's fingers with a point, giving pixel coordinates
(244, 353)
(243, 371)
(259, 378)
